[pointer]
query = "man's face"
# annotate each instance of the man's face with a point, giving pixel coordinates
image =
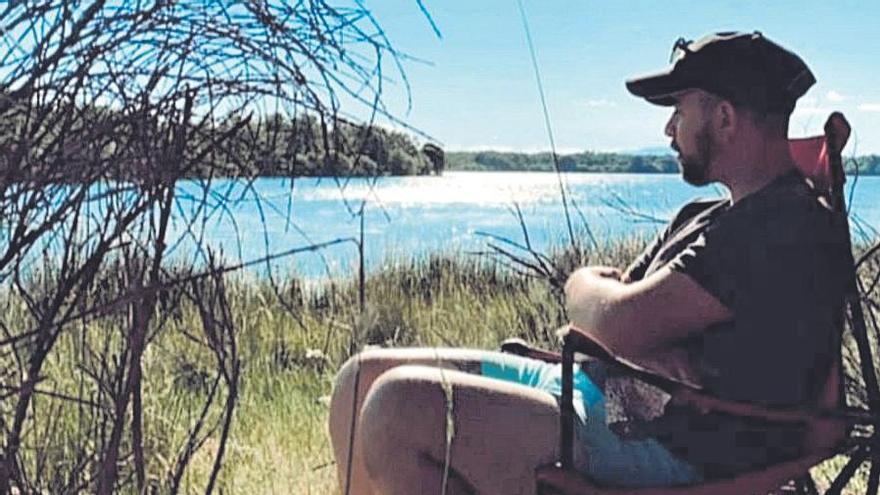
(689, 128)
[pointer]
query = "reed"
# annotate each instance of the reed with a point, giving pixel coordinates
(292, 336)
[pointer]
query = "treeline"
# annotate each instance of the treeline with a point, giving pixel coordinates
(588, 161)
(864, 165)
(273, 146)
(308, 146)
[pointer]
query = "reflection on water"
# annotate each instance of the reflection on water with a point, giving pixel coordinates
(416, 215)
(476, 189)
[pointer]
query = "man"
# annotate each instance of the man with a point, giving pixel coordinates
(748, 288)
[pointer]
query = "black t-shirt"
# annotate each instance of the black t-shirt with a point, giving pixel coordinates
(778, 260)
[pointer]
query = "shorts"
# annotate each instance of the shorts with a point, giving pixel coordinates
(603, 457)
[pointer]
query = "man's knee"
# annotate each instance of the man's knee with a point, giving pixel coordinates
(344, 397)
(383, 420)
(401, 392)
(352, 384)
(400, 408)
(357, 370)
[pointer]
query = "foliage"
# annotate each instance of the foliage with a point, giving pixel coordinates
(304, 146)
(287, 349)
(278, 443)
(272, 146)
(864, 165)
(104, 106)
(589, 161)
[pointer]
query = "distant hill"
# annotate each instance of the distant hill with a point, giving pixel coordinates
(645, 160)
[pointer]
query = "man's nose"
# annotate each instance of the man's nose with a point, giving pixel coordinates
(670, 126)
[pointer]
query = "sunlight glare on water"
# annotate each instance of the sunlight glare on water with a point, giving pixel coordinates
(413, 216)
(477, 189)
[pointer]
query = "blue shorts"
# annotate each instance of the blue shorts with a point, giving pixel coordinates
(604, 456)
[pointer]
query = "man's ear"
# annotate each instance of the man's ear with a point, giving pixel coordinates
(726, 120)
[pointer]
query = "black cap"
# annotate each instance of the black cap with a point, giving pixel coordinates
(745, 68)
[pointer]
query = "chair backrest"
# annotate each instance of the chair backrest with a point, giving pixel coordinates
(819, 159)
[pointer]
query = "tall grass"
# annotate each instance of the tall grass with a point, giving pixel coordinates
(290, 347)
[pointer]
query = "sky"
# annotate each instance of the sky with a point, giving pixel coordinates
(474, 87)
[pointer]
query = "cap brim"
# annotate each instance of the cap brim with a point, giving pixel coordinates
(659, 88)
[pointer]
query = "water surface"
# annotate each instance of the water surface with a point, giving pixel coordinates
(407, 216)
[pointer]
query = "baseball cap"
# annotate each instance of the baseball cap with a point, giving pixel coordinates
(744, 68)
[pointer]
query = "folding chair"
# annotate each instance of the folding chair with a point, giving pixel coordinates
(836, 427)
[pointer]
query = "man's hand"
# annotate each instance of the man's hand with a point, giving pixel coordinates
(586, 292)
(561, 481)
(579, 285)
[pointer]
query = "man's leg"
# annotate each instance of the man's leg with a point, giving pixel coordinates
(500, 432)
(352, 384)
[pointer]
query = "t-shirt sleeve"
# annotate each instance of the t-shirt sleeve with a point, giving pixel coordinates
(745, 256)
(637, 269)
(773, 274)
(714, 261)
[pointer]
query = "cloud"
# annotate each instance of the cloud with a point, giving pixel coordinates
(869, 107)
(600, 103)
(834, 96)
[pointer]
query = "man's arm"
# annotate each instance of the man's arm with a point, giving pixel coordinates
(634, 318)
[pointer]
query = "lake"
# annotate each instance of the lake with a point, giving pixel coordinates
(407, 216)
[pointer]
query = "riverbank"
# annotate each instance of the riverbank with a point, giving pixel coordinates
(289, 348)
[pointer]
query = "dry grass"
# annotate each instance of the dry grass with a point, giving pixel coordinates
(279, 442)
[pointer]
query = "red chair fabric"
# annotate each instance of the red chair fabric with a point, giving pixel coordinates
(812, 154)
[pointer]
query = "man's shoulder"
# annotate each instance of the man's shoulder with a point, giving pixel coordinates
(701, 204)
(786, 210)
(789, 194)
(695, 208)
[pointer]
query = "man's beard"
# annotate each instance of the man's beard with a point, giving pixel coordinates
(695, 168)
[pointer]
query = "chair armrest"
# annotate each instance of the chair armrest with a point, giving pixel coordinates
(581, 342)
(520, 347)
(825, 422)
